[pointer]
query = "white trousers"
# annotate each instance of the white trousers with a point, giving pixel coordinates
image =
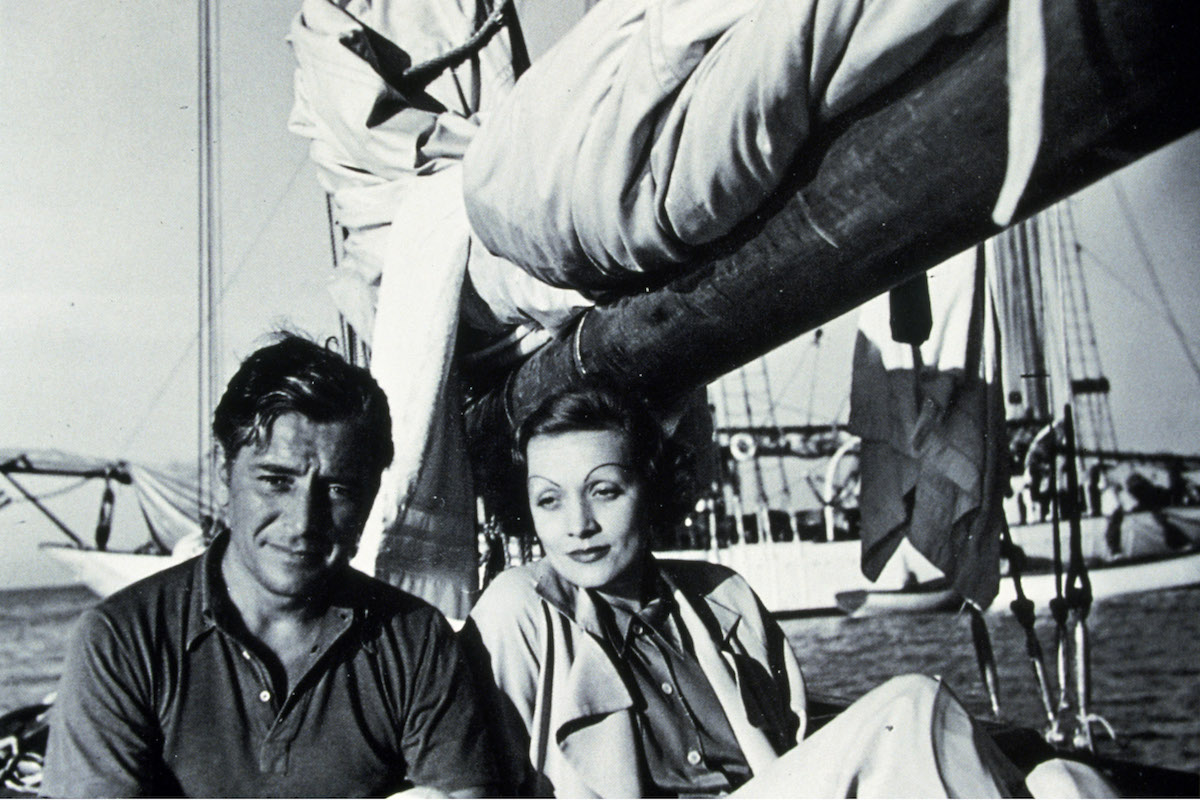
(911, 737)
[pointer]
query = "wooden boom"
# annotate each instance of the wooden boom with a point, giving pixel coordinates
(903, 183)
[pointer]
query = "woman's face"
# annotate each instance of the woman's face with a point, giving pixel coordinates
(588, 506)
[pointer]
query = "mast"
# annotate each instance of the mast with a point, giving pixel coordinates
(209, 278)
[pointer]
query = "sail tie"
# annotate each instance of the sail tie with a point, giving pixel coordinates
(1026, 54)
(426, 71)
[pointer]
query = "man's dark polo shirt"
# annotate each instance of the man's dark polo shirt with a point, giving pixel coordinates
(161, 696)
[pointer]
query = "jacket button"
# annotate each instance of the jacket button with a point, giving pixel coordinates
(667, 688)
(265, 696)
(693, 757)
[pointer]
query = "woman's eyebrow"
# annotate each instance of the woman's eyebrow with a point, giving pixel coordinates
(618, 464)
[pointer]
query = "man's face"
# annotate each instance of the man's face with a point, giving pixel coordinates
(297, 505)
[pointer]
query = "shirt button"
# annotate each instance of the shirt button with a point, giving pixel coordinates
(693, 757)
(668, 688)
(246, 654)
(635, 629)
(265, 696)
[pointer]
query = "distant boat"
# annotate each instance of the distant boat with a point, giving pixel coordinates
(1120, 576)
(758, 524)
(167, 498)
(922, 598)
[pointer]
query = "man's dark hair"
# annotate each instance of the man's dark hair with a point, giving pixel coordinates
(595, 405)
(298, 375)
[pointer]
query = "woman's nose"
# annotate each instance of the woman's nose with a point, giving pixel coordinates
(583, 521)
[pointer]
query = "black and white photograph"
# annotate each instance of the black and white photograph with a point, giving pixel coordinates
(600, 398)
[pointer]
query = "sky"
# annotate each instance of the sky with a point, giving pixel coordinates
(98, 272)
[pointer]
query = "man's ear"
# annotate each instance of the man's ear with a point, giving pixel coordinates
(224, 467)
(221, 486)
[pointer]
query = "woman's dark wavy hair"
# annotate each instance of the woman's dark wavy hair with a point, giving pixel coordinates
(295, 374)
(594, 405)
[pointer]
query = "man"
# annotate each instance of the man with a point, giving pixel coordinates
(267, 666)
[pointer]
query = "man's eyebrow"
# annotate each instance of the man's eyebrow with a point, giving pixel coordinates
(277, 467)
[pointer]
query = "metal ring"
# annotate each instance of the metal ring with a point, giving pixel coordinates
(576, 352)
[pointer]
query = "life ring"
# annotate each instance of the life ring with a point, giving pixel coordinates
(742, 446)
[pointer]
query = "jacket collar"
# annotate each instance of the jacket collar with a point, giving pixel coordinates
(567, 598)
(722, 620)
(577, 606)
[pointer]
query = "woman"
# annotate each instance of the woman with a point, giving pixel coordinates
(621, 675)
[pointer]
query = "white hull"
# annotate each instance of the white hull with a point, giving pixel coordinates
(1110, 580)
(806, 577)
(798, 577)
(1141, 534)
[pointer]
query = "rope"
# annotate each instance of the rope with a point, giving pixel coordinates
(427, 70)
(6, 500)
(1140, 243)
(1078, 594)
(1022, 609)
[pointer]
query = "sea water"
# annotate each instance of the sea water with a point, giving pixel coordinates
(1145, 662)
(1145, 667)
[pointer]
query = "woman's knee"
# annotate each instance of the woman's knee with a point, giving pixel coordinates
(912, 689)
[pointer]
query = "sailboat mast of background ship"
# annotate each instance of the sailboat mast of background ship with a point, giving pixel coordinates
(1136, 531)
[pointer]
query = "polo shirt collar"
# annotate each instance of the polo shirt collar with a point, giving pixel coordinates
(201, 613)
(211, 608)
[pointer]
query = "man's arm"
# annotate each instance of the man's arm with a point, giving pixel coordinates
(101, 726)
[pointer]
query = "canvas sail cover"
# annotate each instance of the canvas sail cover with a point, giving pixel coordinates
(933, 458)
(662, 124)
(168, 499)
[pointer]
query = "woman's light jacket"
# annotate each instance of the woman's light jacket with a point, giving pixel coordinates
(564, 712)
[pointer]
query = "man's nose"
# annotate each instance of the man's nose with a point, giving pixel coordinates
(306, 507)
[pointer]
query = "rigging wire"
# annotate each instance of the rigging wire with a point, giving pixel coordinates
(1111, 271)
(773, 418)
(818, 335)
(189, 348)
(16, 501)
(799, 369)
(1140, 243)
